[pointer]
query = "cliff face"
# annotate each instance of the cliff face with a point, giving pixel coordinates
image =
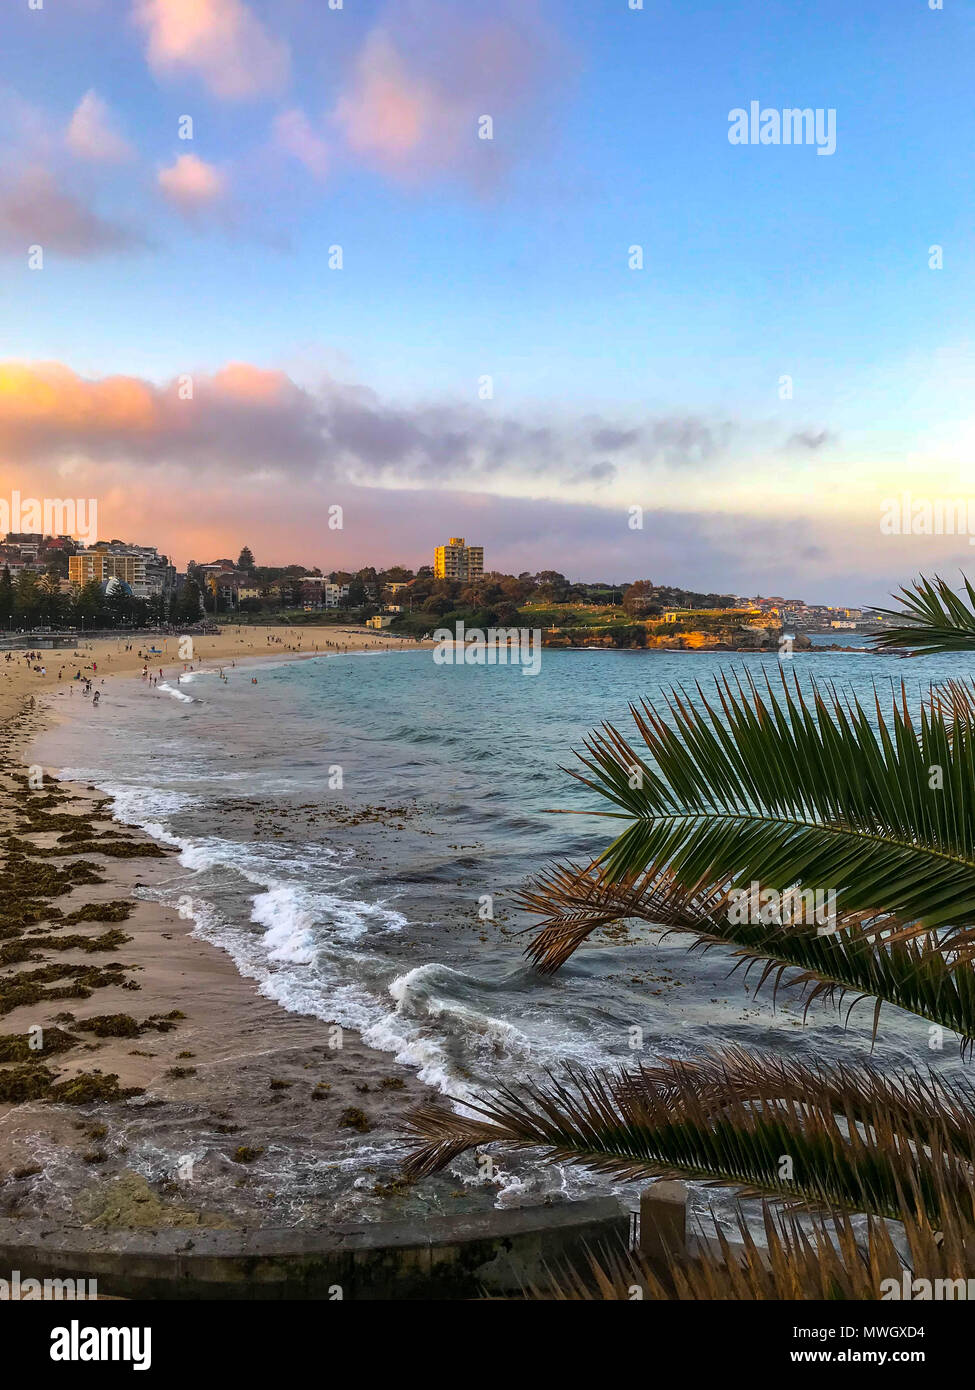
(747, 639)
(694, 641)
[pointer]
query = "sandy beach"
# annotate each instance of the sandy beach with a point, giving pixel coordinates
(115, 1019)
(124, 655)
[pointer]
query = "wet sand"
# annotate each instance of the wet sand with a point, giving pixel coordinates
(167, 1090)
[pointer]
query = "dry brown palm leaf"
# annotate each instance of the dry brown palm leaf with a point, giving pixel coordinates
(922, 1102)
(575, 901)
(825, 1257)
(852, 1139)
(954, 701)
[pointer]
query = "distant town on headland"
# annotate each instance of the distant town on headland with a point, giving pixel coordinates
(56, 582)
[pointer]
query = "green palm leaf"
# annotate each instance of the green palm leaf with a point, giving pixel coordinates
(867, 957)
(795, 790)
(935, 618)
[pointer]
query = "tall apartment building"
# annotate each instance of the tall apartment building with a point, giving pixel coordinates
(455, 560)
(141, 567)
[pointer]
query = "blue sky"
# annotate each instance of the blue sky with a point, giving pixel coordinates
(463, 258)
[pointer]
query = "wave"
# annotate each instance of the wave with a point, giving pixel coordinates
(167, 689)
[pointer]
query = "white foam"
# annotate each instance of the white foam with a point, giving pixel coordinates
(167, 689)
(288, 927)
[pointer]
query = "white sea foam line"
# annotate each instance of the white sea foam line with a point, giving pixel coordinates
(280, 958)
(176, 694)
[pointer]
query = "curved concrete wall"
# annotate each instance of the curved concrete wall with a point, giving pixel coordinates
(439, 1257)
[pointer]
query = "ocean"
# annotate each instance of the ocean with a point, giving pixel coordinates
(352, 830)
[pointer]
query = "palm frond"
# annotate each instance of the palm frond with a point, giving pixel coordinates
(853, 1139)
(934, 618)
(821, 1257)
(791, 790)
(954, 701)
(867, 956)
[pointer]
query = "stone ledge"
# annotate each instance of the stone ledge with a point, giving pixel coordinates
(430, 1257)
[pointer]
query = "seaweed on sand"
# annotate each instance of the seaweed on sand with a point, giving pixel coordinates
(108, 941)
(17, 1047)
(30, 986)
(114, 849)
(26, 1082)
(125, 1026)
(90, 1086)
(116, 911)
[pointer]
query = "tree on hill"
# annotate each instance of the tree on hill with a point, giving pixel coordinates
(638, 597)
(438, 604)
(88, 604)
(245, 561)
(187, 607)
(6, 597)
(27, 598)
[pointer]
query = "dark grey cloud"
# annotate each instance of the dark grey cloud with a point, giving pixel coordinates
(36, 211)
(598, 473)
(810, 439)
(248, 420)
(608, 440)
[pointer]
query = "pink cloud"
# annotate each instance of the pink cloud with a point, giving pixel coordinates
(426, 76)
(92, 134)
(220, 41)
(191, 184)
(389, 111)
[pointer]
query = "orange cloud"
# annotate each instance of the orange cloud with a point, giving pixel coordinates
(241, 417)
(48, 400)
(220, 41)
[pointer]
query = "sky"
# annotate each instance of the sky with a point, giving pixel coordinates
(494, 270)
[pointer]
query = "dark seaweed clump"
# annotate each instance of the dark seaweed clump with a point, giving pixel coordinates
(31, 986)
(16, 1047)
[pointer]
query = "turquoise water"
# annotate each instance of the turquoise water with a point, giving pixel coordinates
(364, 903)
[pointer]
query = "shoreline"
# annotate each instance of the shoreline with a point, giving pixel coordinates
(124, 655)
(228, 1091)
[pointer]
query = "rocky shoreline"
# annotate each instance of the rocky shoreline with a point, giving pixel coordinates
(143, 1081)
